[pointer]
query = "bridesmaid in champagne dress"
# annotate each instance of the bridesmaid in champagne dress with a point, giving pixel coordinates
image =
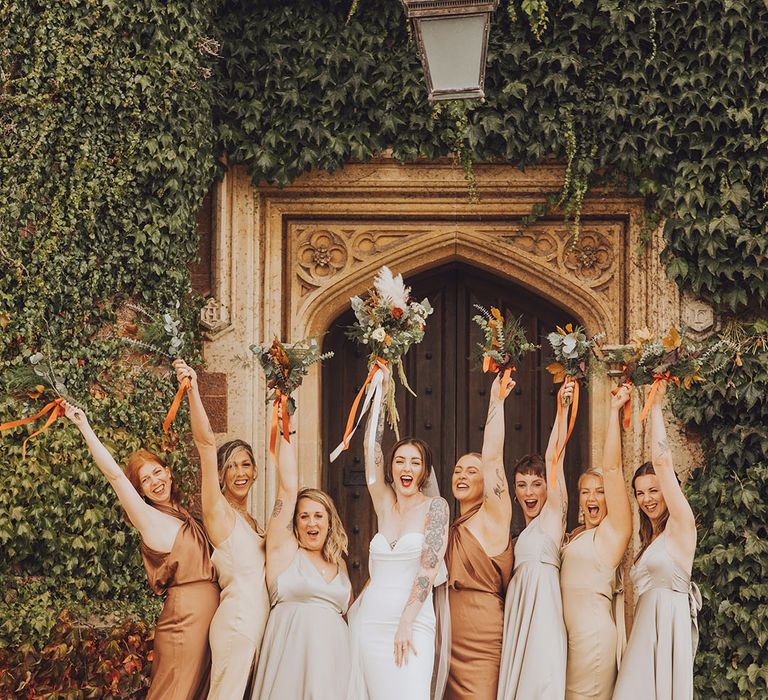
(176, 557)
(593, 609)
(227, 477)
(533, 655)
(305, 654)
(662, 645)
(479, 559)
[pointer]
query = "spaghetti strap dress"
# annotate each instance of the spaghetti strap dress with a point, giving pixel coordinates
(181, 662)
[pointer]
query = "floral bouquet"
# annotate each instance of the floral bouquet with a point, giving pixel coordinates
(162, 334)
(571, 350)
(285, 365)
(649, 360)
(389, 323)
(33, 380)
(504, 342)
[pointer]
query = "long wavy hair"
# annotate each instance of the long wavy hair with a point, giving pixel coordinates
(646, 526)
(226, 454)
(336, 542)
(136, 460)
(426, 460)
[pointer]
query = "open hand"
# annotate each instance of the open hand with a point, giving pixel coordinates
(76, 415)
(403, 643)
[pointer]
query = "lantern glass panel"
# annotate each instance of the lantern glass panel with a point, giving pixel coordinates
(454, 51)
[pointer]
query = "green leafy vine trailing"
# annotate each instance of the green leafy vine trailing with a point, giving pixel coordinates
(106, 152)
(112, 116)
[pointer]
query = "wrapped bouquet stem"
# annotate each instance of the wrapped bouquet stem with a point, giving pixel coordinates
(285, 365)
(389, 323)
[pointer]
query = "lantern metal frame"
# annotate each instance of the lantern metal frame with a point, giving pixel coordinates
(419, 10)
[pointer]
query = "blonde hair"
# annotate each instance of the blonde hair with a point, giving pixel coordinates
(336, 542)
(590, 472)
(226, 454)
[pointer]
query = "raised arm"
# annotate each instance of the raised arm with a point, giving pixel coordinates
(281, 542)
(146, 519)
(218, 515)
(497, 502)
(555, 509)
(681, 528)
(382, 495)
(432, 553)
(615, 530)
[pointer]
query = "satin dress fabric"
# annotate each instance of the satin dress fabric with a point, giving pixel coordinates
(238, 625)
(181, 662)
(593, 610)
(533, 656)
(305, 653)
(664, 637)
(476, 587)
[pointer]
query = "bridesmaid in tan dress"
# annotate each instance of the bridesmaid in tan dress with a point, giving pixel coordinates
(175, 551)
(239, 556)
(662, 645)
(593, 610)
(305, 654)
(479, 559)
(533, 655)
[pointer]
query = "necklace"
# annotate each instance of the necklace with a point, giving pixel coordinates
(246, 515)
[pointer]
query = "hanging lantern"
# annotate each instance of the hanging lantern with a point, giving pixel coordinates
(452, 37)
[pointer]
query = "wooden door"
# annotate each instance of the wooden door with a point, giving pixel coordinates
(452, 395)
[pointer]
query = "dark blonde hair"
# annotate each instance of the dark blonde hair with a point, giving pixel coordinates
(133, 465)
(336, 542)
(426, 460)
(226, 453)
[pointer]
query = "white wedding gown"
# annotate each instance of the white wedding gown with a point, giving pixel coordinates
(393, 570)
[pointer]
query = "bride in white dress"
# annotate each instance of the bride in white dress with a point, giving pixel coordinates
(396, 620)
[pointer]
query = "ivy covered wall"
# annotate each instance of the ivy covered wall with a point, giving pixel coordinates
(112, 116)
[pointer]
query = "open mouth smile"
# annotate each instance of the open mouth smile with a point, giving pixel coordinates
(406, 480)
(593, 511)
(531, 503)
(241, 482)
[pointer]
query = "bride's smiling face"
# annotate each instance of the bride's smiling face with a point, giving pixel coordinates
(407, 470)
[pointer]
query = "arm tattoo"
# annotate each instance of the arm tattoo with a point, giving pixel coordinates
(499, 489)
(420, 590)
(491, 414)
(437, 519)
(278, 507)
(663, 446)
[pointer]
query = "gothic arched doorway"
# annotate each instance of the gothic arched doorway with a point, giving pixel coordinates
(452, 396)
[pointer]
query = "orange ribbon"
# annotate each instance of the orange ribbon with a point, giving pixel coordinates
(490, 365)
(353, 411)
(54, 408)
(174, 409)
(627, 408)
(561, 409)
(657, 380)
(279, 413)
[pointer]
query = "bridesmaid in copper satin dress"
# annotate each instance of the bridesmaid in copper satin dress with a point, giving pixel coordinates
(176, 555)
(479, 559)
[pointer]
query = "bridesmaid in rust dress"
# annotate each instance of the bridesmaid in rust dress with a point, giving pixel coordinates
(176, 555)
(479, 559)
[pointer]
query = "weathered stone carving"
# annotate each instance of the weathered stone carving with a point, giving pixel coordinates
(590, 258)
(696, 314)
(214, 316)
(321, 253)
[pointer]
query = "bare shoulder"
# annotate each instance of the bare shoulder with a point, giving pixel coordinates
(437, 507)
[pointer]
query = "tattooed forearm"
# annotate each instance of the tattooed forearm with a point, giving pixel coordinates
(492, 410)
(500, 486)
(278, 507)
(663, 446)
(434, 534)
(420, 590)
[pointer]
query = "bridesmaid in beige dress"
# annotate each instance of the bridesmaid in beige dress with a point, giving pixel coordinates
(305, 654)
(479, 559)
(662, 645)
(175, 551)
(227, 477)
(592, 607)
(533, 655)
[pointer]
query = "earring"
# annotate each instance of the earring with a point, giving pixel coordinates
(581, 516)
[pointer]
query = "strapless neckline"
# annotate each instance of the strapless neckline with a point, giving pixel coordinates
(393, 548)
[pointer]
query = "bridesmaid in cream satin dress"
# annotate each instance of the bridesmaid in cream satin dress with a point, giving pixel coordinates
(239, 557)
(593, 609)
(533, 653)
(662, 645)
(305, 654)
